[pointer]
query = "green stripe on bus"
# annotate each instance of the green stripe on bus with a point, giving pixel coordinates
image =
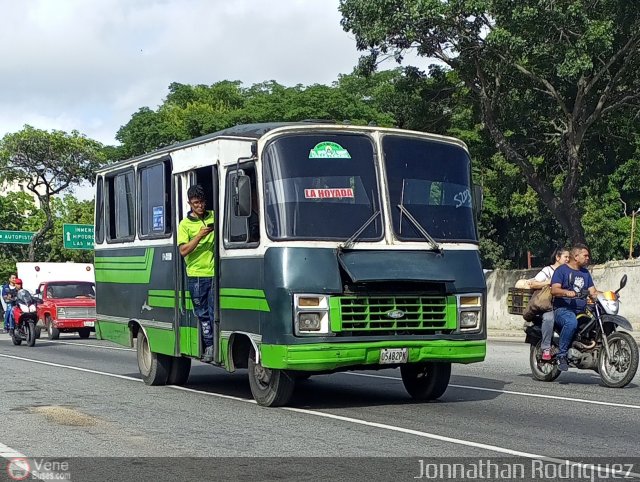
(125, 269)
(245, 293)
(161, 302)
(166, 299)
(251, 304)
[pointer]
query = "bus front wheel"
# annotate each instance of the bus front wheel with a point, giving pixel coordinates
(154, 367)
(426, 381)
(269, 387)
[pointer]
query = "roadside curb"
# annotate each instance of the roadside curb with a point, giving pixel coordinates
(519, 335)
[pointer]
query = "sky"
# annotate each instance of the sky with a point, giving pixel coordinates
(89, 65)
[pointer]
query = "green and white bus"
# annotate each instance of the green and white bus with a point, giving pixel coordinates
(338, 247)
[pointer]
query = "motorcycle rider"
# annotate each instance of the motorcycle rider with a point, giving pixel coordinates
(9, 293)
(567, 283)
(542, 279)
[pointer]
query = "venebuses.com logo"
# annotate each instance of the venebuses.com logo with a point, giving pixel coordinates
(18, 469)
(21, 468)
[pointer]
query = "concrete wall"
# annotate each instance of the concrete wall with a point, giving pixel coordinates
(605, 276)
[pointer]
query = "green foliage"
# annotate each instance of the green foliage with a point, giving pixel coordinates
(547, 75)
(47, 163)
(19, 212)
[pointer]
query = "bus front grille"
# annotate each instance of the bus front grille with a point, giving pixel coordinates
(392, 314)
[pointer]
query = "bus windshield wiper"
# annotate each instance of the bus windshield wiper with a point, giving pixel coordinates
(351, 241)
(418, 226)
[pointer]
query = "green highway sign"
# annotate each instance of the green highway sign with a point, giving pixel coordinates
(77, 236)
(16, 237)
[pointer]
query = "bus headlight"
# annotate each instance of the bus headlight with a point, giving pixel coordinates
(311, 314)
(469, 312)
(469, 319)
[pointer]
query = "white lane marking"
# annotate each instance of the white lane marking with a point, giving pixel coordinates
(55, 342)
(9, 453)
(510, 392)
(356, 421)
(78, 369)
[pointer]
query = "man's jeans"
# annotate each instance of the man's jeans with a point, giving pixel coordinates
(547, 330)
(202, 298)
(568, 322)
(8, 318)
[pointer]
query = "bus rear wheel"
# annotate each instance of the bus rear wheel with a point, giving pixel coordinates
(426, 381)
(154, 367)
(269, 387)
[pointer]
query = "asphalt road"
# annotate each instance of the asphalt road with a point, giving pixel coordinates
(84, 398)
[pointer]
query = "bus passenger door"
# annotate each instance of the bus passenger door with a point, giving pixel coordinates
(187, 322)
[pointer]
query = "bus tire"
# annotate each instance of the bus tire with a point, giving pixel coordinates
(52, 332)
(154, 367)
(269, 387)
(426, 381)
(179, 372)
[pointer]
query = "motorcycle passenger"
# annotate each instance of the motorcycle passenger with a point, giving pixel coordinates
(9, 293)
(542, 279)
(567, 282)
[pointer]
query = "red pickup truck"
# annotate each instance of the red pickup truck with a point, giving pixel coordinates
(67, 306)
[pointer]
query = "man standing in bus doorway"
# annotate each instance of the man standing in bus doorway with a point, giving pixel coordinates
(196, 243)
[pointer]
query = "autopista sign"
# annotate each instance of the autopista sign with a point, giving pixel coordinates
(15, 237)
(77, 236)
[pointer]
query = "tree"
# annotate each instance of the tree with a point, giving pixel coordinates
(192, 111)
(48, 163)
(546, 74)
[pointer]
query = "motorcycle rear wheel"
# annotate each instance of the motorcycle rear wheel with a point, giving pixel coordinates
(618, 371)
(541, 371)
(15, 337)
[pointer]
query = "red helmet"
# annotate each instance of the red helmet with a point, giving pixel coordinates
(18, 281)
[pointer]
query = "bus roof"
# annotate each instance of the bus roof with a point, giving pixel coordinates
(246, 131)
(255, 131)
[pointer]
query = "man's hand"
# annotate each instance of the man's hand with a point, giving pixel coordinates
(570, 294)
(203, 232)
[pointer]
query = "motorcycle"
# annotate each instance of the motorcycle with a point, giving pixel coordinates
(25, 318)
(597, 345)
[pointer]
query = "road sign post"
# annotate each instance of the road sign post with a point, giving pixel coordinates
(16, 237)
(77, 236)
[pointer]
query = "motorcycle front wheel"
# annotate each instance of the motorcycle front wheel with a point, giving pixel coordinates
(619, 370)
(31, 334)
(541, 370)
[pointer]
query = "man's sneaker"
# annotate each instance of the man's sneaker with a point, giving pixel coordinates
(563, 366)
(208, 354)
(546, 354)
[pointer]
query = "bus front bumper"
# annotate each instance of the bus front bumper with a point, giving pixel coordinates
(332, 356)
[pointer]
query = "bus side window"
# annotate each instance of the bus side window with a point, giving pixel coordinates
(120, 207)
(154, 206)
(99, 225)
(242, 232)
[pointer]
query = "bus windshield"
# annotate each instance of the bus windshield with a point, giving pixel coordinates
(321, 186)
(432, 181)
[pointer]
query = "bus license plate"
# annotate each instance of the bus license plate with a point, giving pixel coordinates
(89, 323)
(393, 355)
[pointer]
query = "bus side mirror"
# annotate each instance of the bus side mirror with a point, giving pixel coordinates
(478, 198)
(243, 196)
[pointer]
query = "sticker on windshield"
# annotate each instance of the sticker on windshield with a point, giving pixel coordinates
(329, 150)
(463, 198)
(328, 193)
